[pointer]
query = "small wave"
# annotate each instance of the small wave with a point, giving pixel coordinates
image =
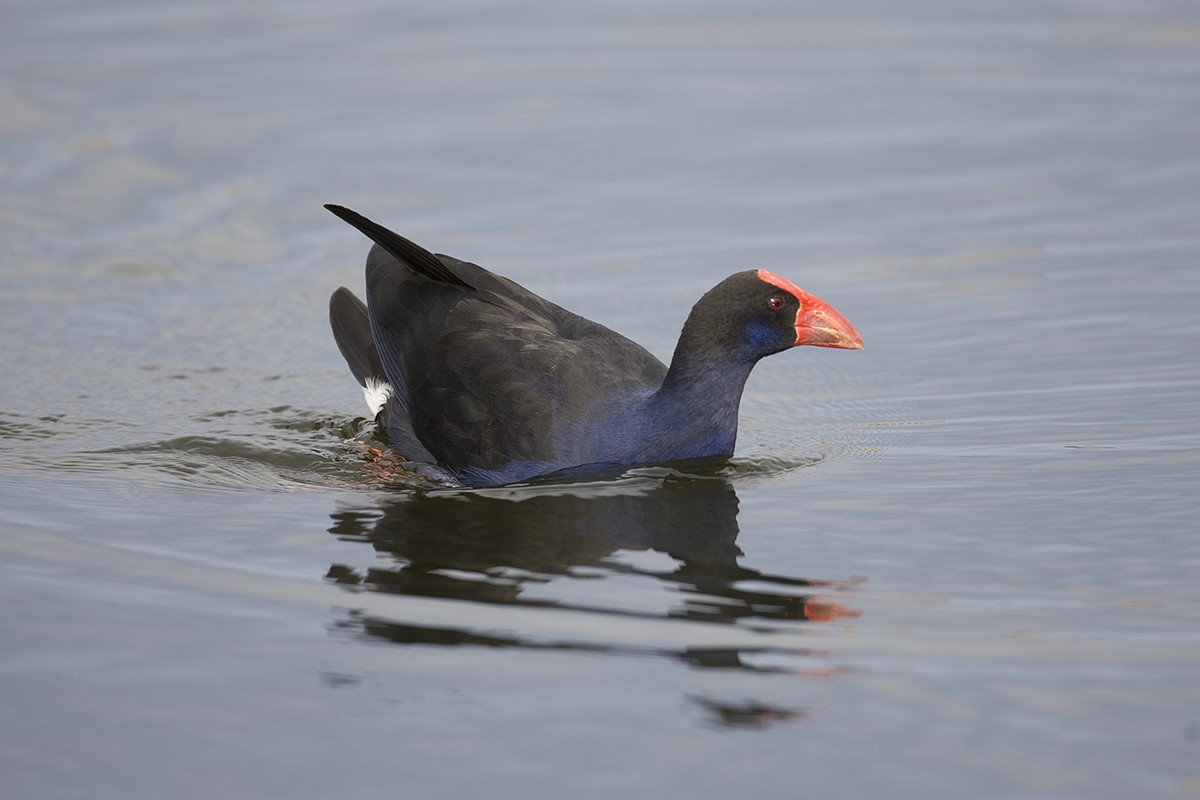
(279, 449)
(769, 466)
(226, 462)
(18, 427)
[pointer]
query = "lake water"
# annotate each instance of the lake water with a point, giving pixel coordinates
(964, 562)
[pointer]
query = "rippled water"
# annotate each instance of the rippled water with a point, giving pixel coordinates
(961, 563)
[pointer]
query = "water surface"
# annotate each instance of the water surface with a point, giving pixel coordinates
(961, 563)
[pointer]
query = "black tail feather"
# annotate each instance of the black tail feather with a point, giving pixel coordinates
(409, 252)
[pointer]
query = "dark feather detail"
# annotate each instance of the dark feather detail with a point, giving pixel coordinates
(352, 332)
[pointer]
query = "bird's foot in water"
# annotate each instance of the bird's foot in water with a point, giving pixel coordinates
(382, 466)
(388, 469)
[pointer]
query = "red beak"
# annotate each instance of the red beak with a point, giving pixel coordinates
(820, 324)
(817, 322)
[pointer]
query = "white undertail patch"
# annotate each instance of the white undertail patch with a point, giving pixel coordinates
(377, 393)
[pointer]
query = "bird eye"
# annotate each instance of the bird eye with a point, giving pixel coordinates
(775, 303)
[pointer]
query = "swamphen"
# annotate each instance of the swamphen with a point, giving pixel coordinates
(473, 373)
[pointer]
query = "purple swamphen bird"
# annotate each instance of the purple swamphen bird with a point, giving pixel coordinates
(473, 373)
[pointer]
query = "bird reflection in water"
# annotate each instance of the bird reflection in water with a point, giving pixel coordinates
(511, 546)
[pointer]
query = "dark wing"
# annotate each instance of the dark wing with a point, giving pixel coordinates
(490, 374)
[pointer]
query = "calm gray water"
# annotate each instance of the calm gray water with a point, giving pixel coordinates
(963, 562)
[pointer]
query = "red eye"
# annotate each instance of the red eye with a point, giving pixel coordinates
(775, 303)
